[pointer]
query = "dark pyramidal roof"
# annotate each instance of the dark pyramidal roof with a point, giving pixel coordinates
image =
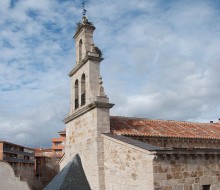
(71, 177)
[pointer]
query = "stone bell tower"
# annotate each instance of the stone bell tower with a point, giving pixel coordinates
(89, 109)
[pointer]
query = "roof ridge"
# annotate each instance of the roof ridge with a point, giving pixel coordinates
(163, 128)
(168, 120)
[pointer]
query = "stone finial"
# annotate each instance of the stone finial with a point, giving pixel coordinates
(92, 48)
(94, 51)
(101, 91)
(85, 20)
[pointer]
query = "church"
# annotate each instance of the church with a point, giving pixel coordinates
(125, 153)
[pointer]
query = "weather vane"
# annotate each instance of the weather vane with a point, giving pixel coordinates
(83, 6)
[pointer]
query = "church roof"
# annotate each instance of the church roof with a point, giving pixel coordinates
(72, 176)
(131, 126)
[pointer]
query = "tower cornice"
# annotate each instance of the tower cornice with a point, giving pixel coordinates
(84, 61)
(84, 25)
(93, 105)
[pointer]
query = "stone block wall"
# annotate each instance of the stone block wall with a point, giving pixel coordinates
(83, 137)
(186, 172)
(127, 167)
(80, 134)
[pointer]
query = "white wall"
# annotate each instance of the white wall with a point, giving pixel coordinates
(8, 181)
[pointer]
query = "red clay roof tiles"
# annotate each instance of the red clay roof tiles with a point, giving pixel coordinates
(163, 128)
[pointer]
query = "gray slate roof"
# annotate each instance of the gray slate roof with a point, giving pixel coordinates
(71, 177)
(133, 142)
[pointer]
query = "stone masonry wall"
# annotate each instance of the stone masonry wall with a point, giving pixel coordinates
(186, 172)
(79, 139)
(83, 136)
(126, 167)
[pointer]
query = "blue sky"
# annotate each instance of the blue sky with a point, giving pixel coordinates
(161, 61)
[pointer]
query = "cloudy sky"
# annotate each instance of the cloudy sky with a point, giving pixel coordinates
(162, 60)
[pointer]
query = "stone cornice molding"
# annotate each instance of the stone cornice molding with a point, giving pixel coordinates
(188, 151)
(87, 108)
(81, 63)
(83, 26)
(161, 151)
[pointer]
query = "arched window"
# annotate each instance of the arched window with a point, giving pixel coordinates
(76, 94)
(83, 89)
(80, 50)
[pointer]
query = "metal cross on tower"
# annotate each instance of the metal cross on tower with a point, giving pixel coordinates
(83, 6)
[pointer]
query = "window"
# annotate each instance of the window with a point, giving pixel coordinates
(76, 94)
(80, 50)
(206, 187)
(83, 90)
(58, 151)
(57, 143)
(26, 157)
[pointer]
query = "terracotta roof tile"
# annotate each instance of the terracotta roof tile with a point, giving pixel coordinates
(163, 128)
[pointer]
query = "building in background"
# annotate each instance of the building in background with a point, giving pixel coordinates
(43, 158)
(46, 165)
(58, 145)
(46, 158)
(19, 157)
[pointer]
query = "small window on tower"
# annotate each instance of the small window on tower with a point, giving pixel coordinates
(76, 94)
(83, 89)
(206, 187)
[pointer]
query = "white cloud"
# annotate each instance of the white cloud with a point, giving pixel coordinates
(169, 52)
(161, 61)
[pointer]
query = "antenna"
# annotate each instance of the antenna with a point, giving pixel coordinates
(83, 7)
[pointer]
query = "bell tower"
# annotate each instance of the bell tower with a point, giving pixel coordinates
(88, 117)
(85, 75)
